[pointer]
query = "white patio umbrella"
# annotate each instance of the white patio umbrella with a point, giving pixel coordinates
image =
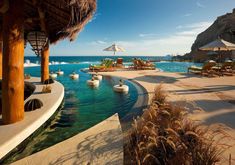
(218, 45)
(114, 48)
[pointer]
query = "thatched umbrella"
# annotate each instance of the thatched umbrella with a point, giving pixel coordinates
(40, 22)
(59, 18)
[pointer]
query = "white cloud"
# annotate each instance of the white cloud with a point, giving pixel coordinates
(101, 42)
(188, 33)
(200, 5)
(161, 46)
(98, 42)
(147, 35)
(193, 29)
(177, 42)
(195, 25)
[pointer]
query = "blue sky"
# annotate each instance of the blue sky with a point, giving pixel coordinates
(144, 27)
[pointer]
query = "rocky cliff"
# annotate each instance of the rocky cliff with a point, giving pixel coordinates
(223, 27)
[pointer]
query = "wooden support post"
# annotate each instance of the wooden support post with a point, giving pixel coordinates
(45, 63)
(45, 52)
(13, 63)
(1, 47)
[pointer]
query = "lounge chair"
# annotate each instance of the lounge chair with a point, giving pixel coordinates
(224, 69)
(96, 68)
(106, 65)
(136, 64)
(146, 65)
(229, 70)
(206, 69)
(119, 63)
(139, 64)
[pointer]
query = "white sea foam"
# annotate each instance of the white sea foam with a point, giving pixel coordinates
(57, 63)
(163, 62)
(30, 64)
(89, 62)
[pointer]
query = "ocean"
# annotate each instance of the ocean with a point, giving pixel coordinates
(82, 59)
(166, 66)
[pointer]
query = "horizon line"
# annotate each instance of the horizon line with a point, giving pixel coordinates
(100, 55)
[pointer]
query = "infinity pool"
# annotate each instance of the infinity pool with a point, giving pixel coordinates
(83, 107)
(175, 66)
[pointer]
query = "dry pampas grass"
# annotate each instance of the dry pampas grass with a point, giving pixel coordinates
(164, 135)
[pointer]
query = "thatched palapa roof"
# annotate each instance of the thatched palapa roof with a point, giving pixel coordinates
(58, 18)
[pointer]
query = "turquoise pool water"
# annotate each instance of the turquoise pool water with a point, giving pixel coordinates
(175, 66)
(83, 107)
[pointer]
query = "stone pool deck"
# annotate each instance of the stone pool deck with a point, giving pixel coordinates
(101, 144)
(211, 101)
(13, 134)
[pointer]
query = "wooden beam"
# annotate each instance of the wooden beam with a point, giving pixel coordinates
(50, 5)
(56, 13)
(13, 63)
(42, 20)
(1, 44)
(59, 18)
(37, 4)
(31, 20)
(45, 51)
(45, 63)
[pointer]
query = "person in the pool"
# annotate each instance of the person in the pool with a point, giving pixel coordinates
(93, 78)
(121, 82)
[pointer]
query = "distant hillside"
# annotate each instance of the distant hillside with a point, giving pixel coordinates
(223, 27)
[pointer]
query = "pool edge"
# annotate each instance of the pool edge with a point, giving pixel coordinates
(15, 134)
